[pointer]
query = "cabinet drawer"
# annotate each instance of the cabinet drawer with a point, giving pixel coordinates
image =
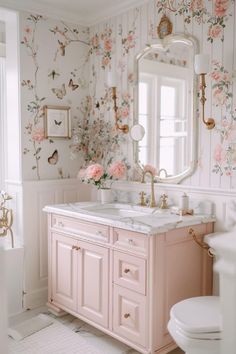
(130, 272)
(129, 318)
(129, 240)
(81, 228)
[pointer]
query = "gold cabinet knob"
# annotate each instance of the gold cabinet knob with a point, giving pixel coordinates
(74, 247)
(126, 315)
(126, 270)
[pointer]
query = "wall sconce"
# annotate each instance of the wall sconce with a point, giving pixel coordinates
(111, 81)
(202, 64)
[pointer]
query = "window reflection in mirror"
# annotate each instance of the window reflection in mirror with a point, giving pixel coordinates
(165, 107)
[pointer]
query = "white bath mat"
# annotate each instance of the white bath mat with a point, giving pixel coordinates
(29, 327)
(54, 339)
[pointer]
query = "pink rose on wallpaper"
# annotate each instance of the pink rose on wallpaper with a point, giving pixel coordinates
(196, 5)
(214, 31)
(125, 112)
(28, 30)
(105, 61)
(94, 172)
(219, 96)
(38, 135)
(151, 169)
(82, 173)
(108, 45)
(215, 75)
(220, 7)
(95, 41)
(131, 78)
(117, 169)
(219, 155)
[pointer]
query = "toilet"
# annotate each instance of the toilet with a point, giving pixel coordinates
(195, 324)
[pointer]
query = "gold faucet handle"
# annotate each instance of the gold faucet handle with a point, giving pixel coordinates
(142, 199)
(164, 204)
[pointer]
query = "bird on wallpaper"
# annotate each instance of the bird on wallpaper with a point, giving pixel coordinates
(60, 92)
(72, 85)
(53, 74)
(62, 48)
(53, 159)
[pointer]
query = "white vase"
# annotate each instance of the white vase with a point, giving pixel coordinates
(106, 195)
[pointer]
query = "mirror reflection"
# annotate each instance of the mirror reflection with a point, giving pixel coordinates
(165, 106)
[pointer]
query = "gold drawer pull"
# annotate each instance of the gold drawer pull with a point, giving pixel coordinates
(126, 315)
(76, 248)
(126, 270)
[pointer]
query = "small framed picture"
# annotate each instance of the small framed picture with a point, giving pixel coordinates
(57, 122)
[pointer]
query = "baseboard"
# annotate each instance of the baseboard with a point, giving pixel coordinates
(35, 299)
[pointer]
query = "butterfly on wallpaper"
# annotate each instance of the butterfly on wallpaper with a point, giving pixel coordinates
(53, 74)
(72, 85)
(57, 123)
(62, 48)
(52, 160)
(60, 92)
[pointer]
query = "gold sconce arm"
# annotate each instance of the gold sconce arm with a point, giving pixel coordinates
(210, 122)
(124, 128)
(6, 221)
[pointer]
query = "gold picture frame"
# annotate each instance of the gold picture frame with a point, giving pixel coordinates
(57, 122)
(165, 27)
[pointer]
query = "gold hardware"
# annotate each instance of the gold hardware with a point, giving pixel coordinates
(130, 241)
(126, 270)
(124, 128)
(152, 202)
(126, 315)
(75, 248)
(6, 218)
(201, 243)
(210, 123)
(162, 170)
(164, 204)
(51, 299)
(142, 199)
(78, 248)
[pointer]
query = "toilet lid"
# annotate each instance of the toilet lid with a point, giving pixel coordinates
(198, 315)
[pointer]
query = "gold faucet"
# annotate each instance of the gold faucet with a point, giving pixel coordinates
(152, 201)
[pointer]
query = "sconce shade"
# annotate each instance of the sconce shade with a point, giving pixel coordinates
(202, 64)
(111, 79)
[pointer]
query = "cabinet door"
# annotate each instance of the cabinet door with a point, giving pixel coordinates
(64, 270)
(93, 282)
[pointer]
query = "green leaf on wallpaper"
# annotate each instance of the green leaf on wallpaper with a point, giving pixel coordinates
(42, 99)
(34, 168)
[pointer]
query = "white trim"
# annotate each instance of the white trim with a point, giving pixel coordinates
(69, 16)
(137, 187)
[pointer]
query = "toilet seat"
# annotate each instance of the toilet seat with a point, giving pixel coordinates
(198, 318)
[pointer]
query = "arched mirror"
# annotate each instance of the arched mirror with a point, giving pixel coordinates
(165, 106)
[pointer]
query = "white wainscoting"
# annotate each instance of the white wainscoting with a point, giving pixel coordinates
(30, 228)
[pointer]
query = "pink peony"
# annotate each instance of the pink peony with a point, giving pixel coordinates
(219, 155)
(94, 172)
(219, 96)
(108, 45)
(214, 31)
(105, 61)
(117, 169)
(197, 5)
(125, 112)
(215, 75)
(38, 135)
(151, 169)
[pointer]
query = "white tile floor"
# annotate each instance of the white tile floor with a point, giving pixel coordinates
(105, 343)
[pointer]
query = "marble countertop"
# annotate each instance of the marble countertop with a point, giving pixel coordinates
(127, 216)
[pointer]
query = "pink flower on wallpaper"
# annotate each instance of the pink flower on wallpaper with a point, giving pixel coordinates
(94, 172)
(228, 173)
(221, 7)
(214, 31)
(28, 30)
(125, 112)
(108, 44)
(219, 96)
(151, 169)
(38, 135)
(117, 170)
(131, 78)
(219, 154)
(95, 41)
(105, 61)
(196, 5)
(216, 75)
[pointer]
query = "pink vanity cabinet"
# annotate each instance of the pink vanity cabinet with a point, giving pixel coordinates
(125, 282)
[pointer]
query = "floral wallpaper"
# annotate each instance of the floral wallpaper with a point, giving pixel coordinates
(71, 66)
(54, 71)
(116, 42)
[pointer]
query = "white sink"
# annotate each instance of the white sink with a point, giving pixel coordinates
(119, 210)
